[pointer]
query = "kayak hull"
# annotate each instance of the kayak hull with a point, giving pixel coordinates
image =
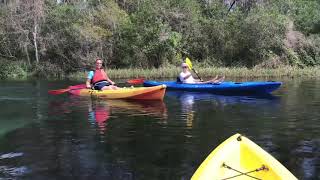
(239, 155)
(140, 93)
(227, 88)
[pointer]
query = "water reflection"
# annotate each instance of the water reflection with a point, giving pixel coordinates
(98, 113)
(100, 110)
(225, 112)
(116, 122)
(187, 110)
(137, 108)
(309, 157)
(221, 100)
(17, 106)
(57, 137)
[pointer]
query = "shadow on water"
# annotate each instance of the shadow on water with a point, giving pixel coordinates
(22, 105)
(10, 118)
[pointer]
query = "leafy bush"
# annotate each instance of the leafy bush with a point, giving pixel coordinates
(12, 69)
(47, 70)
(307, 16)
(155, 34)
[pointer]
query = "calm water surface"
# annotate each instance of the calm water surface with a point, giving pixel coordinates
(68, 137)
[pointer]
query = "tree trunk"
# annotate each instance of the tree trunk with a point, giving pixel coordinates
(27, 54)
(35, 43)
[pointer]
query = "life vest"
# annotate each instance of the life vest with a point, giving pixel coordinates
(99, 75)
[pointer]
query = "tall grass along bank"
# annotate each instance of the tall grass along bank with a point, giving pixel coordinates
(172, 72)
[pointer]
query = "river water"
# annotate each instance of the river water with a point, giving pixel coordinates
(67, 137)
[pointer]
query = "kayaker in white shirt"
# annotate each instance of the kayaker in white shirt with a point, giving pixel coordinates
(186, 77)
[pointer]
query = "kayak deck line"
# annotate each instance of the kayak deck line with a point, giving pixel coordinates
(263, 167)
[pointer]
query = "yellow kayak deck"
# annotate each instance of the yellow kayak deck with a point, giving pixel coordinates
(142, 93)
(239, 158)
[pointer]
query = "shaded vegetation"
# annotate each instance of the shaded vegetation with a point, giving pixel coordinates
(52, 38)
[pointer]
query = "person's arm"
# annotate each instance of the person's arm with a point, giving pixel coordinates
(88, 82)
(183, 76)
(109, 80)
(187, 76)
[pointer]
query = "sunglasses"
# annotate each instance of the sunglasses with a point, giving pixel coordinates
(184, 66)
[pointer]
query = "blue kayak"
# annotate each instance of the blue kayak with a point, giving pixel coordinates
(228, 88)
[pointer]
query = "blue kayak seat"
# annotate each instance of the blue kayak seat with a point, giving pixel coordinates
(179, 80)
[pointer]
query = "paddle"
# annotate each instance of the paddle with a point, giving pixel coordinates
(231, 6)
(136, 81)
(82, 86)
(188, 62)
(61, 91)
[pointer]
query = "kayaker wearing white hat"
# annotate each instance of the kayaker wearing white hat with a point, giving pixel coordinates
(186, 77)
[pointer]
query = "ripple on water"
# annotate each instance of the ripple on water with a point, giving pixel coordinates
(309, 157)
(153, 140)
(10, 172)
(10, 155)
(8, 98)
(13, 172)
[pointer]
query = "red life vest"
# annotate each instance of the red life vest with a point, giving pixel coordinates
(99, 75)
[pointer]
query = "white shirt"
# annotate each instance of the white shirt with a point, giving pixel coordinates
(189, 80)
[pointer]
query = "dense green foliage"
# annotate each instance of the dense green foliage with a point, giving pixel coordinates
(158, 33)
(12, 69)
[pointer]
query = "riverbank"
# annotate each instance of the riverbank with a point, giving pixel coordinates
(172, 72)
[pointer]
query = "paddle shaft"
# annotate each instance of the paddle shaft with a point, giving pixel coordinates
(197, 74)
(82, 86)
(61, 91)
(231, 6)
(189, 63)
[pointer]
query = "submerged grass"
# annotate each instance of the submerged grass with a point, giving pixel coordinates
(172, 72)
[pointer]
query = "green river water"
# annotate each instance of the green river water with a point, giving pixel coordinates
(67, 137)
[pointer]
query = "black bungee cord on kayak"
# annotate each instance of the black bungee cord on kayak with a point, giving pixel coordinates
(263, 167)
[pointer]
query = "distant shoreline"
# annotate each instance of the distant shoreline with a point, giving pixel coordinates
(172, 72)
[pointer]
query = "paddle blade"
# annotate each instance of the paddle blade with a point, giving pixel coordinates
(188, 62)
(58, 91)
(79, 86)
(136, 81)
